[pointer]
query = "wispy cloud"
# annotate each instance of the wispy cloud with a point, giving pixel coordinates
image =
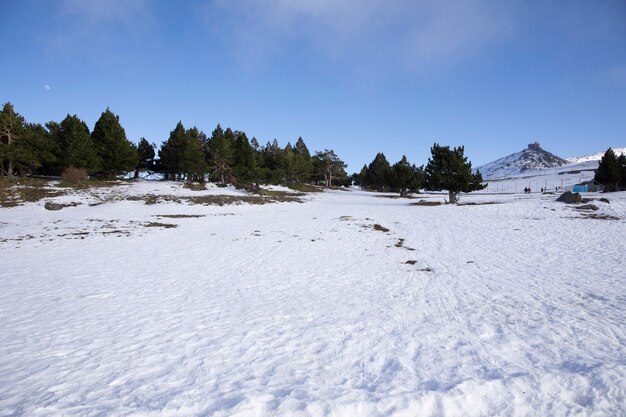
(407, 34)
(92, 24)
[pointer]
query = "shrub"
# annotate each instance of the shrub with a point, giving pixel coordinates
(74, 175)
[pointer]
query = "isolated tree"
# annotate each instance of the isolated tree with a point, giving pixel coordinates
(76, 149)
(406, 177)
(117, 154)
(329, 166)
(11, 128)
(448, 169)
(608, 172)
(145, 156)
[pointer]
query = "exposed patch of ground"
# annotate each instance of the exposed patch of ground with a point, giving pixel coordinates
(158, 224)
(180, 216)
(17, 192)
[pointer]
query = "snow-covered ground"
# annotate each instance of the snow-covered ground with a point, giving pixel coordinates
(310, 309)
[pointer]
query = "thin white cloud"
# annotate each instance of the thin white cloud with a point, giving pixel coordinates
(86, 25)
(410, 34)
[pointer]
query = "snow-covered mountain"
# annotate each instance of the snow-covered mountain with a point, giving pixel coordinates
(594, 157)
(533, 158)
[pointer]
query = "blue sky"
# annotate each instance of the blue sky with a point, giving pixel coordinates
(358, 76)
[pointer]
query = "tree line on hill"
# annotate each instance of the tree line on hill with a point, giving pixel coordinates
(611, 171)
(226, 156)
(447, 169)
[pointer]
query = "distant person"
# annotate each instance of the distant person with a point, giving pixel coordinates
(542, 190)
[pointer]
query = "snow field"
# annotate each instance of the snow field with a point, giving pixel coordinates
(512, 309)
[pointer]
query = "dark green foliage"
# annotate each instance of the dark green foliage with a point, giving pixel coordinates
(11, 129)
(448, 169)
(272, 163)
(117, 154)
(220, 154)
(244, 165)
(609, 172)
(183, 155)
(76, 149)
(36, 151)
(328, 166)
(145, 156)
(621, 161)
(406, 177)
(303, 164)
(378, 175)
(192, 162)
(171, 151)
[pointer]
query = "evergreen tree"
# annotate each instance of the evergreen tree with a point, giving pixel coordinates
(361, 177)
(608, 172)
(35, 150)
(273, 166)
(329, 166)
(117, 154)
(171, 151)
(192, 162)
(448, 169)
(76, 149)
(406, 177)
(303, 163)
(244, 165)
(220, 154)
(379, 175)
(11, 128)
(145, 156)
(621, 161)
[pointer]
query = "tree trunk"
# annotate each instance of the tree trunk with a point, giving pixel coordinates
(10, 170)
(136, 174)
(454, 196)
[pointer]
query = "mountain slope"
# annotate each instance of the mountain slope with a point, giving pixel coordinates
(530, 159)
(594, 157)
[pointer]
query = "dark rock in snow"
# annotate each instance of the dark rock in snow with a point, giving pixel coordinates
(605, 200)
(569, 198)
(53, 206)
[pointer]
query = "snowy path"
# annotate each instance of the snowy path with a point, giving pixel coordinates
(307, 310)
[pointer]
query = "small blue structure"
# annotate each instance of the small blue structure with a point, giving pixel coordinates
(579, 188)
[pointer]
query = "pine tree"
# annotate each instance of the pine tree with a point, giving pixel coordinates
(11, 128)
(192, 162)
(76, 149)
(448, 169)
(329, 166)
(35, 150)
(220, 154)
(379, 175)
(244, 165)
(145, 156)
(117, 154)
(621, 161)
(608, 172)
(406, 177)
(303, 162)
(171, 152)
